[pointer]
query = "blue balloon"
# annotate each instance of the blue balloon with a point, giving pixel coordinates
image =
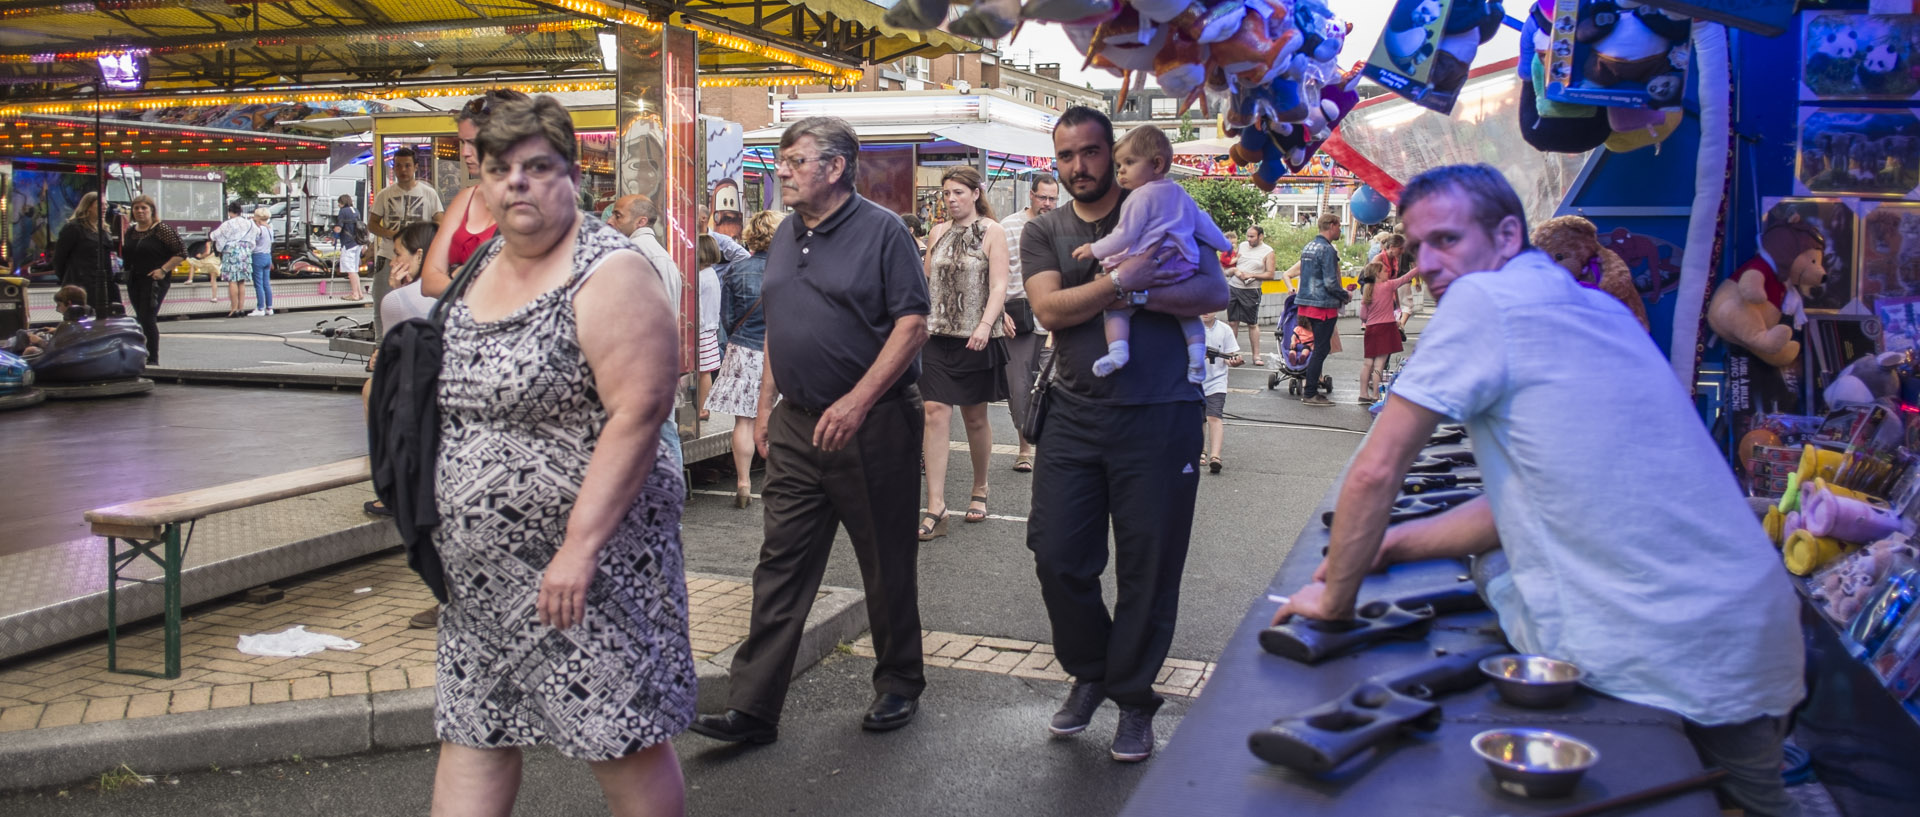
(1368, 206)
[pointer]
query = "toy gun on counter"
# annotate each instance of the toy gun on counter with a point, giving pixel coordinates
(1424, 503)
(1408, 618)
(1374, 713)
(1422, 483)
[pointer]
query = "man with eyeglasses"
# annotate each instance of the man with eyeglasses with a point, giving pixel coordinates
(405, 201)
(846, 306)
(1024, 348)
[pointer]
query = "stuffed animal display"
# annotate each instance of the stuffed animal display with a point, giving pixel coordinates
(1574, 243)
(1871, 379)
(1427, 47)
(1265, 66)
(1843, 587)
(1747, 307)
(1635, 44)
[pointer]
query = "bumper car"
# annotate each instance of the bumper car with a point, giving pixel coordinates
(93, 357)
(16, 383)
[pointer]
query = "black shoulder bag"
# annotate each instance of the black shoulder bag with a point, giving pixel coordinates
(403, 425)
(1038, 398)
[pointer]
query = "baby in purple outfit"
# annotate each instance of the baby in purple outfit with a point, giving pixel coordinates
(1159, 224)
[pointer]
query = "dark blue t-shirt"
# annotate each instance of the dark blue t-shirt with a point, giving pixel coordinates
(349, 222)
(831, 295)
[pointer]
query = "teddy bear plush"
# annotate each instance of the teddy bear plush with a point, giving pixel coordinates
(1574, 243)
(1746, 308)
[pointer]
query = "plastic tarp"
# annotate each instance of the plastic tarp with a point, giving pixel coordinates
(999, 138)
(293, 642)
(1401, 139)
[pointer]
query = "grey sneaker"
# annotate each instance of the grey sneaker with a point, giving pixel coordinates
(1317, 401)
(1133, 741)
(1077, 712)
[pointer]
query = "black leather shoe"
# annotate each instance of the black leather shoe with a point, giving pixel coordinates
(735, 727)
(889, 711)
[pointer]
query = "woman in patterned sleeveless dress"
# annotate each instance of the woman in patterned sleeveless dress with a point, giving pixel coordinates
(559, 506)
(966, 349)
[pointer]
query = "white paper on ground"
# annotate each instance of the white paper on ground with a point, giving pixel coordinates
(293, 643)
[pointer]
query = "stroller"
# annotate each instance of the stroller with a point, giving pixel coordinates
(1296, 346)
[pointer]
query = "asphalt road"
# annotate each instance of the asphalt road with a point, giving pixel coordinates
(979, 746)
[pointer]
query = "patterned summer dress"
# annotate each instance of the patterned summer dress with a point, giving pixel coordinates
(520, 416)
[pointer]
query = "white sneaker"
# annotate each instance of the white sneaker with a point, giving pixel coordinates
(269, 310)
(256, 313)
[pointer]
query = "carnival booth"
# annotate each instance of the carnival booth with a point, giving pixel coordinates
(1737, 175)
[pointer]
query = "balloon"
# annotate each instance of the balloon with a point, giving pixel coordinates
(1368, 206)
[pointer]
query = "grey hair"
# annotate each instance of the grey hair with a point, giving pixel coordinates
(1486, 191)
(835, 138)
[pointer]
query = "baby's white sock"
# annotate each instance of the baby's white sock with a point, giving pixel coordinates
(1116, 357)
(1197, 362)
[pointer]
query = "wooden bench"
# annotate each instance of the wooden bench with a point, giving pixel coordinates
(151, 528)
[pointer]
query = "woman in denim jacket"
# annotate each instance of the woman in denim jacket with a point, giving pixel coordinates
(737, 390)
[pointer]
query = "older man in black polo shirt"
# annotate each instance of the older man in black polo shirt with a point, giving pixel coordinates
(846, 306)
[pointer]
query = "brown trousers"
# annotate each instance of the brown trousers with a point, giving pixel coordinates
(873, 487)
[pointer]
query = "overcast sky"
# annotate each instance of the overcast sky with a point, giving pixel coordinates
(1045, 42)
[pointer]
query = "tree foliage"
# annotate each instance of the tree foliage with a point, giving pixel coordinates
(247, 181)
(1232, 203)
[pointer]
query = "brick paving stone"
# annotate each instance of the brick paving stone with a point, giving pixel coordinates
(386, 680)
(349, 683)
(190, 700)
(1161, 676)
(1183, 678)
(106, 709)
(304, 689)
(1007, 660)
(420, 677)
(975, 665)
(16, 718)
(1034, 661)
(980, 654)
(272, 692)
(232, 695)
(938, 661)
(1007, 644)
(112, 690)
(65, 713)
(147, 705)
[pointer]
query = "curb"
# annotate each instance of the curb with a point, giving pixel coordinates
(326, 727)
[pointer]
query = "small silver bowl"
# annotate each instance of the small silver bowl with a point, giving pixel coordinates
(1535, 762)
(1532, 681)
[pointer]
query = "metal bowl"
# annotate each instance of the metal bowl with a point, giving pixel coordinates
(1535, 762)
(1532, 681)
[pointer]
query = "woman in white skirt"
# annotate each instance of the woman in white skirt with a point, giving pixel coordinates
(709, 356)
(737, 390)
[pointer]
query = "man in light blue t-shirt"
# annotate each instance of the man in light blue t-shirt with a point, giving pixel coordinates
(1633, 552)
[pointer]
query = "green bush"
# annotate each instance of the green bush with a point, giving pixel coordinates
(1232, 203)
(1289, 239)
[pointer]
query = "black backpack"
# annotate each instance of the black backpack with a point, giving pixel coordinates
(403, 426)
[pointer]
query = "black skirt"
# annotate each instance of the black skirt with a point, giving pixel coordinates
(953, 374)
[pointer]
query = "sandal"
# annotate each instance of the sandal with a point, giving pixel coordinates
(979, 515)
(1214, 465)
(932, 526)
(1023, 464)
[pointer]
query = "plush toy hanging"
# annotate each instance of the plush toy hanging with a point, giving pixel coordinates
(1574, 243)
(1266, 67)
(1747, 308)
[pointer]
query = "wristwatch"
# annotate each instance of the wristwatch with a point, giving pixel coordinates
(1138, 297)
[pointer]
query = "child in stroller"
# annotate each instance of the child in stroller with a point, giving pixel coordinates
(1296, 345)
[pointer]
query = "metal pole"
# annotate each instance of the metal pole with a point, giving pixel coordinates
(103, 271)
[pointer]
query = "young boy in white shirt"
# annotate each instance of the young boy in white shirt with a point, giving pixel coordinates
(1223, 351)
